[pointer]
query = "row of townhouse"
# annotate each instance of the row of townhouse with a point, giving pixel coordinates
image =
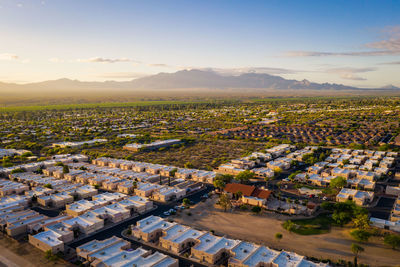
(78, 144)
(8, 187)
(13, 203)
(360, 197)
(11, 152)
(66, 158)
(87, 219)
(363, 159)
(117, 252)
(395, 213)
(145, 189)
(211, 249)
(17, 223)
(133, 203)
(157, 169)
(265, 164)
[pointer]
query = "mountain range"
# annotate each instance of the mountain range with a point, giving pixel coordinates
(185, 79)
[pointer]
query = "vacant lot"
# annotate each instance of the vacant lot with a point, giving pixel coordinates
(203, 154)
(14, 253)
(334, 245)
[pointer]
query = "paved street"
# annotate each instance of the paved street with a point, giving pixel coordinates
(116, 230)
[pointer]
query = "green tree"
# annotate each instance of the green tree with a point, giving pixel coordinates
(360, 235)
(338, 182)
(244, 176)
(392, 240)
(256, 209)
(65, 169)
(224, 201)
(219, 183)
(289, 225)
(361, 221)
(188, 165)
(356, 249)
(186, 202)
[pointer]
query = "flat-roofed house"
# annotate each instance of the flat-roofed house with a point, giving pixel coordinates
(179, 238)
(47, 241)
(57, 200)
(168, 193)
(146, 190)
(212, 249)
(86, 223)
(262, 256)
(150, 229)
(137, 204)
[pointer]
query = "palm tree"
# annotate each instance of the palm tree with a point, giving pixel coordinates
(356, 249)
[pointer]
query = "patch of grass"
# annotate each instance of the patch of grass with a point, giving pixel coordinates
(314, 226)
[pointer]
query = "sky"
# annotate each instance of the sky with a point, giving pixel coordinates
(353, 42)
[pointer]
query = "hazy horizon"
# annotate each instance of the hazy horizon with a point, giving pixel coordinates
(355, 43)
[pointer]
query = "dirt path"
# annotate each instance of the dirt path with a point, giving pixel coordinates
(334, 245)
(14, 253)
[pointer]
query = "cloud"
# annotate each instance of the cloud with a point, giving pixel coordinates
(340, 54)
(122, 75)
(350, 73)
(389, 45)
(56, 60)
(390, 63)
(106, 60)
(7, 56)
(160, 65)
(260, 70)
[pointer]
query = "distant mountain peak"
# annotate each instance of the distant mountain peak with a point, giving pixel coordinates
(390, 87)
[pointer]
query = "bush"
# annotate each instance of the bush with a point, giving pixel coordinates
(256, 209)
(360, 235)
(392, 240)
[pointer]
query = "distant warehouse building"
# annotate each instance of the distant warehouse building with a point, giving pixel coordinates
(152, 146)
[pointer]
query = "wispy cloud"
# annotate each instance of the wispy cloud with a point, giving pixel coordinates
(56, 60)
(7, 56)
(350, 73)
(389, 45)
(106, 60)
(390, 63)
(162, 65)
(260, 70)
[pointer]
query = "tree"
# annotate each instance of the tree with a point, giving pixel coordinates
(188, 165)
(172, 172)
(48, 186)
(65, 169)
(289, 225)
(278, 236)
(219, 183)
(19, 170)
(244, 176)
(360, 235)
(356, 249)
(392, 240)
(361, 221)
(224, 201)
(227, 178)
(338, 182)
(186, 202)
(340, 217)
(256, 209)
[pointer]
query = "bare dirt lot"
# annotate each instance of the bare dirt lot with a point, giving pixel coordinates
(261, 229)
(14, 253)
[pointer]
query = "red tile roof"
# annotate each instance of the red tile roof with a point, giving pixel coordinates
(247, 190)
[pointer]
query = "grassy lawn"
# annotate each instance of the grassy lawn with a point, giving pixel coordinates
(315, 226)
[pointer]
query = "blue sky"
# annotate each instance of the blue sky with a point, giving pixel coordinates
(349, 42)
